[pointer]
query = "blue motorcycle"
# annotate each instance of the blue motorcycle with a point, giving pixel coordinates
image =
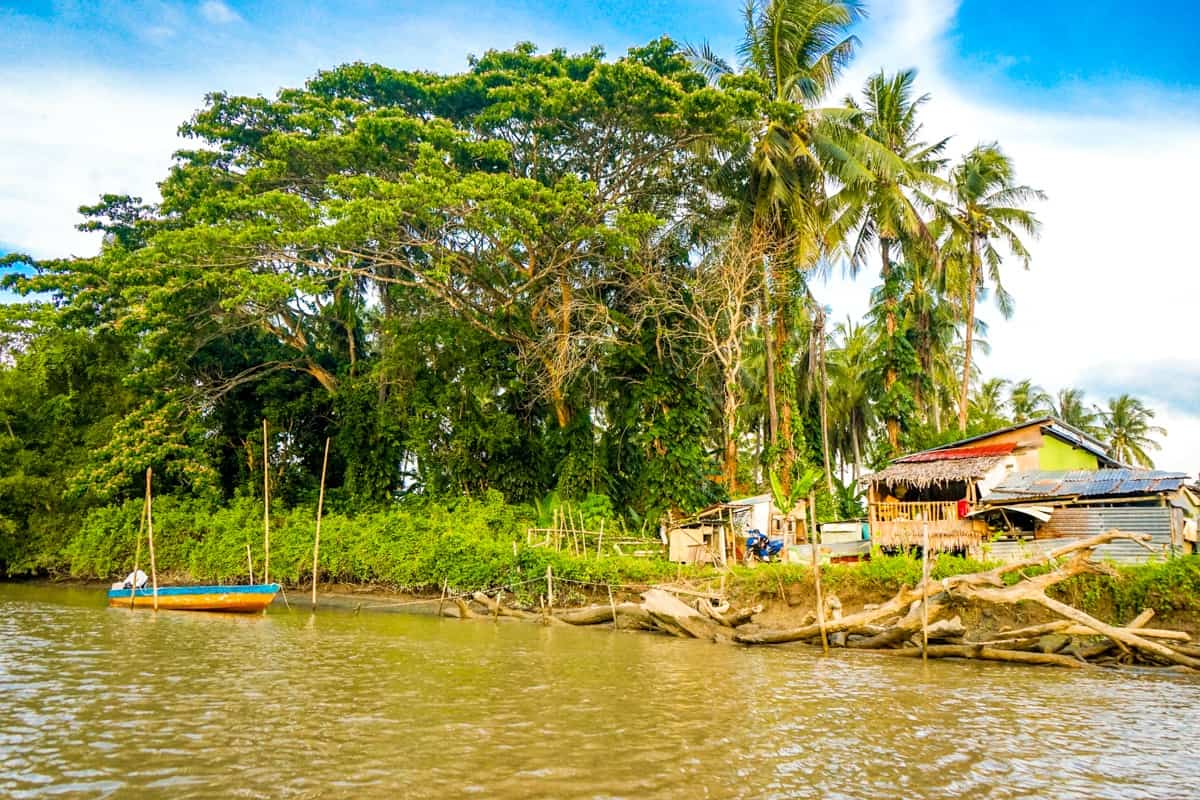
(759, 547)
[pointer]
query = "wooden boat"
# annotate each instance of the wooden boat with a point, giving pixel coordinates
(244, 599)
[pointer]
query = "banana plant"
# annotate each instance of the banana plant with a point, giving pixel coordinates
(803, 482)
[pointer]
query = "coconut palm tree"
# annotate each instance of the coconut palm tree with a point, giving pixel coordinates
(1071, 407)
(985, 208)
(886, 210)
(1127, 427)
(851, 411)
(1026, 401)
(795, 49)
(989, 409)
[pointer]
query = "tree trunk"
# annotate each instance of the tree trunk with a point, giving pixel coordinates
(323, 376)
(885, 273)
(857, 447)
(561, 412)
(889, 379)
(972, 290)
(729, 468)
(767, 329)
(824, 403)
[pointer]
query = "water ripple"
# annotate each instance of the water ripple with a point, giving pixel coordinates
(103, 702)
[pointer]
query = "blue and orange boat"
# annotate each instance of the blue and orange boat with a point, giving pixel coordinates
(245, 599)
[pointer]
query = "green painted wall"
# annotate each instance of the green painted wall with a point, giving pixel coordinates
(1057, 454)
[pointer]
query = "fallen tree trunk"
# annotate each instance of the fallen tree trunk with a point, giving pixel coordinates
(679, 619)
(463, 611)
(990, 587)
(981, 652)
(905, 628)
(499, 609)
(730, 619)
(1097, 650)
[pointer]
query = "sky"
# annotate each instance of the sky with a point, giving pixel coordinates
(1098, 104)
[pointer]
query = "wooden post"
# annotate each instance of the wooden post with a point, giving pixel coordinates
(320, 509)
(613, 605)
(137, 555)
(925, 592)
(150, 533)
(549, 587)
(813, 544)
(600, 539)
(249, 562)
(266, 511)
(442, 602)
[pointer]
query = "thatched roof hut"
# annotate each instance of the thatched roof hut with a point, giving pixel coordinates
(921, 475)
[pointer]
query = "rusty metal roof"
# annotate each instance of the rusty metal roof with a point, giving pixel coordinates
(1049, 425)
(1038, 484)
(954, 453)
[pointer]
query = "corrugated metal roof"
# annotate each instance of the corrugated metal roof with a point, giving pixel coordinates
(954, 453)
(1037, 484)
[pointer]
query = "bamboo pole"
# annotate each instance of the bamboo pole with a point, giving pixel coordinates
(249, 562)
(600, 539)
(924, 593)
(266, 511)
(150, 534)
(549, 588)
(613, 605)
(320, 509)
(813, 544)
(137, 555)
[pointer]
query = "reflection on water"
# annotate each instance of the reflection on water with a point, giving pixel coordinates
(103, 702)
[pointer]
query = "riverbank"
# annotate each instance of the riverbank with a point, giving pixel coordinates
(786, 592)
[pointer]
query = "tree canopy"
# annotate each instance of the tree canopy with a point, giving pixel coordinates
(548, 274)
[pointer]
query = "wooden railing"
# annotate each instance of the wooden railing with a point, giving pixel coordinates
(914, 512)
(905, 525)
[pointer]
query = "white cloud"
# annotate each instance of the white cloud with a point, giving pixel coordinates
(218, 13)
(1113, 284)
(87, 136)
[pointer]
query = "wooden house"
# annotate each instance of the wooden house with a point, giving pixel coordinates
(937, 489)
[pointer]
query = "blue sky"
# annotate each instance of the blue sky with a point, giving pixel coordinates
(1035, 48)
(1097, 102)
(1039, 45)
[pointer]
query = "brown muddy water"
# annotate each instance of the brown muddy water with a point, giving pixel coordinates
(99, 702)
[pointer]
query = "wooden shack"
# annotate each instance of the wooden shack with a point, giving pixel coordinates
(710, 536)
(1035, 510)
(938, 489)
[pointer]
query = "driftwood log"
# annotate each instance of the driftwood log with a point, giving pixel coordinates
(914, 615)
(864, 631)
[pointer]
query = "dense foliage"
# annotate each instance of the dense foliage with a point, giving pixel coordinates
(550, 275)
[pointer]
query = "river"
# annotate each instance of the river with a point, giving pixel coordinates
(99, 702)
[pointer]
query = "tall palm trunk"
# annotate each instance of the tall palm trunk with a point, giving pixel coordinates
(787, 406)
(769, 347)
(973, 283)
(889, 378)
(824, 400)
(857, 447)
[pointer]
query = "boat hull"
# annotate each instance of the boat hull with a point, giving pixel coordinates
(243, 599)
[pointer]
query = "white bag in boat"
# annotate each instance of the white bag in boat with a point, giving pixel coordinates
(135, 579)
